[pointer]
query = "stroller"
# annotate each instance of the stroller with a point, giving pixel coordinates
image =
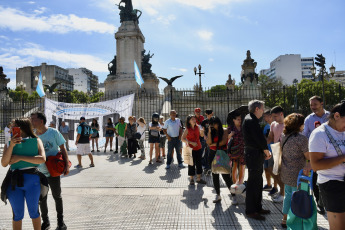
(303, 213)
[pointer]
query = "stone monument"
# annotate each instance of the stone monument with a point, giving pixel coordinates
(129, 48)
(3, 84)
(230, 83)
(249, 78)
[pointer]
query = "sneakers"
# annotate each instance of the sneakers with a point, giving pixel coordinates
(181, 166)
(273, 191)
(61, 226)
(45, 225)
(267, 188)
(115, 152)
(234, 200)
(278, 199)
(92, 165)
(167, 167)
(79, 166)
(217, 199)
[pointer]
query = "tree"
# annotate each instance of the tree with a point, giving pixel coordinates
(271, 90)
(16, 94)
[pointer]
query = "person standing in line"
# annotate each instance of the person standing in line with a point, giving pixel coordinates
(142, 130)
(120, 133)
(83, 142)
(64, 129)
(130, 131)
(276, 130)
(321, 115)
(268, 164)
(52, 125)
(162, 137)
(26, 164)
(236, 151)
(52, 141)
(154, 128)
(117, 140)
(95, 134)
(191, 136)
(256, 151)
(205, 125)
(109, 134)
(173, 130)
(326, 150)
(294, 156)
(217, 139)
(7, 132)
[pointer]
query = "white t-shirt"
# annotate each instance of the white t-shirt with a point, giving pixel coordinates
(319, 142)
(141, 130)
(7, 135)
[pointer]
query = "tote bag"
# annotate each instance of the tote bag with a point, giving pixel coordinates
(188, 155)
(221, 163)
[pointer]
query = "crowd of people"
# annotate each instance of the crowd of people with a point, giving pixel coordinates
(316, 143)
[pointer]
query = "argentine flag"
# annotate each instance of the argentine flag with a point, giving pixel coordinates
(39, 88)
(137, 75)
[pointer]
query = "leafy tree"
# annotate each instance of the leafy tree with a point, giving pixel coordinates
(16, 94)
(271, 90)
(96, 97)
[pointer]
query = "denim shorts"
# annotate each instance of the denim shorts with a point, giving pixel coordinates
(109, 135)
(269, 163)
(153, 139)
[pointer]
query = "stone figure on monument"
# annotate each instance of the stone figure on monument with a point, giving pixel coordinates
(248, 69)
(3, 83)
(127, 13)
(112, 66)
(145, 64)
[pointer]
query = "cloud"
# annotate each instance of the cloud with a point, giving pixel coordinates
(210, 59)
(165, 19)
(206, 4)
(17, 20)
(180, 69)
(205, 35)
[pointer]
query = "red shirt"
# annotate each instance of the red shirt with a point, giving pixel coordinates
(194, 136)
(215, 140)
(200, 119)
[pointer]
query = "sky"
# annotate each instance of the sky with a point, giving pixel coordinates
(181, 33)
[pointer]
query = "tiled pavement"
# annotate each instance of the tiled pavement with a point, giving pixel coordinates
(122, 193)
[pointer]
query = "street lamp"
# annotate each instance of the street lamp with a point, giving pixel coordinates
(321, 61)
(199, 73)
(22, 87)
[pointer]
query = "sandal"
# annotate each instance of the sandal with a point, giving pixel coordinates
(158, 161)
(283, 224)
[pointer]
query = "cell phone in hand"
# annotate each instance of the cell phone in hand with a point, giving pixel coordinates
(16, 132)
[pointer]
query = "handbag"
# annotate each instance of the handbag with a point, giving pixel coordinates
(188, 155)
(233, 150)
(138, 135)
(277, 152)
(221, 163)
(56, 164)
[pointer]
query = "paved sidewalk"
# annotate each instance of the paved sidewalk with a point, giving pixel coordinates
(122, 193)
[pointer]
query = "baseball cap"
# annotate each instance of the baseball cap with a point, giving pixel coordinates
(198, 110)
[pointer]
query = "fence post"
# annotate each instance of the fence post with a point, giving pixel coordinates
(284, 97)
(228, 98)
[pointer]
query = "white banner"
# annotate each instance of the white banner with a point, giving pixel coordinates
(71, 113)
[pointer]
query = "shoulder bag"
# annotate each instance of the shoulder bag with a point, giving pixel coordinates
(277, 152)
(56, 164)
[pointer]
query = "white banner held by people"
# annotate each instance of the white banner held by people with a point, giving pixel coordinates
(71, 113)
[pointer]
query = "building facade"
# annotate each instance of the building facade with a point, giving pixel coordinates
(52, 73)
(289, 67)
(339, 77)
(84, 80)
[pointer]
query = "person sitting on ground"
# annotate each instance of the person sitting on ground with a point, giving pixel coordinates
(24, 165)
(191, 136)
(217, 138)
(294, 156)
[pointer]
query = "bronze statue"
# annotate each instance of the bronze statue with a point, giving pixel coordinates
(112, 66)
(52, 87)
(171, 80)
(127, 13)
(145, 63)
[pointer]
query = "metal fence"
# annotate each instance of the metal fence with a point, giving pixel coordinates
(184, 101)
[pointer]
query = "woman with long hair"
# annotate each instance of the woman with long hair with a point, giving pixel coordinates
(142, 129)
(217, 138)
(191, 136)
(130, 131)
(154, 135)
(23, 164)
(236, 151)
(109, 134)
(95, 134)
(294, 156)
(327, 148)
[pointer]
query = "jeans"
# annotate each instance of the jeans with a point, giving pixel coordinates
(215, 177)
(287, 199)
(55, 186)
(175, 142)
(255, 161)
(197, 154)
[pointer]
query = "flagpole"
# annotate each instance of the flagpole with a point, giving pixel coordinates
(138, 115)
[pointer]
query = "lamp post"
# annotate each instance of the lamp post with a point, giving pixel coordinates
(22, 87)
(199, 73)
(321, 61)
(295, 83)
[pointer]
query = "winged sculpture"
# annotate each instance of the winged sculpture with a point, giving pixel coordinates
(171, 80)
(51, 88)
